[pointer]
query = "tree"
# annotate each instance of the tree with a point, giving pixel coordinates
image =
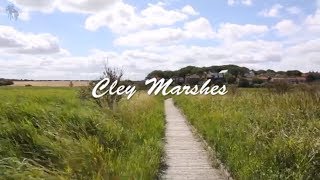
(270, 72)
(12, 12)
(107, 101)
(281, 72)
(156, 73)
(294, 73)
(260, 72)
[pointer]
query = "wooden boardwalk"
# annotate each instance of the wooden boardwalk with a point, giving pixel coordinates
(186, 158)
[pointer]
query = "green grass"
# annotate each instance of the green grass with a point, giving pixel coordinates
(49, 133)
(260, 135)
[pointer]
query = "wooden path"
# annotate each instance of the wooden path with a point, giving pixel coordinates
(186, 158)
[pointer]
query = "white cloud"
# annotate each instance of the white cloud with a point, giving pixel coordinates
(311, 46)
(74, 6)
(13, 41)
(123, 18)
(114, 14)
(230, 32)
(31, 5)
(244, 2)
(293, 10)
(286, 27)
(155, 37)
(120, 18)
(137, 63)
(274, 11)
(84, 6)
(199, 28)
(303, 56)
(162, 36)
(24, 16)
(196, 29)
(158, 15)
(77, 6)
(313, 22)
(189, 10)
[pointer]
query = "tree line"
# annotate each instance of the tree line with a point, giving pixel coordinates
(233, 70)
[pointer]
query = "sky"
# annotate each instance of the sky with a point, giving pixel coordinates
(73, 39)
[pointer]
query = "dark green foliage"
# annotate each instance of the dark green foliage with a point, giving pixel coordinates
(243, 83)
(189, 70)
(293, 73)
(260, 72)
(231, 80)
(257, 81)
(281, 72)
(312, 76)
(270, 72)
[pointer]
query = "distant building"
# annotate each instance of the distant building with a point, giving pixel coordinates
(223, 72)
(250, 74)
(178, 80)
(193, 79)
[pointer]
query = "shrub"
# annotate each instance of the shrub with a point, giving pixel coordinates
(312, 77)
(257, 81)
(107, 101)
(243, 83)
(231, 79)
(71, 84)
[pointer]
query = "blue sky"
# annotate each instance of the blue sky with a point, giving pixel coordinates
(71, 39)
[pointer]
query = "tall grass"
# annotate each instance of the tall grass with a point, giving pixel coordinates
(49, 133)
(260, 135)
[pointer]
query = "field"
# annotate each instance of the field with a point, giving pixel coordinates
(51, 83)
(259, 134)
(50, 133)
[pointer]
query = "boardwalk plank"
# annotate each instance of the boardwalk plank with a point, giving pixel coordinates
(185, 156)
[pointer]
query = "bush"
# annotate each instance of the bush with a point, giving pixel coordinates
(243, 83)
(5, 82)
(71, 84)
(107, 101)
(312, 77)
(231, 80)
(257, 81)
